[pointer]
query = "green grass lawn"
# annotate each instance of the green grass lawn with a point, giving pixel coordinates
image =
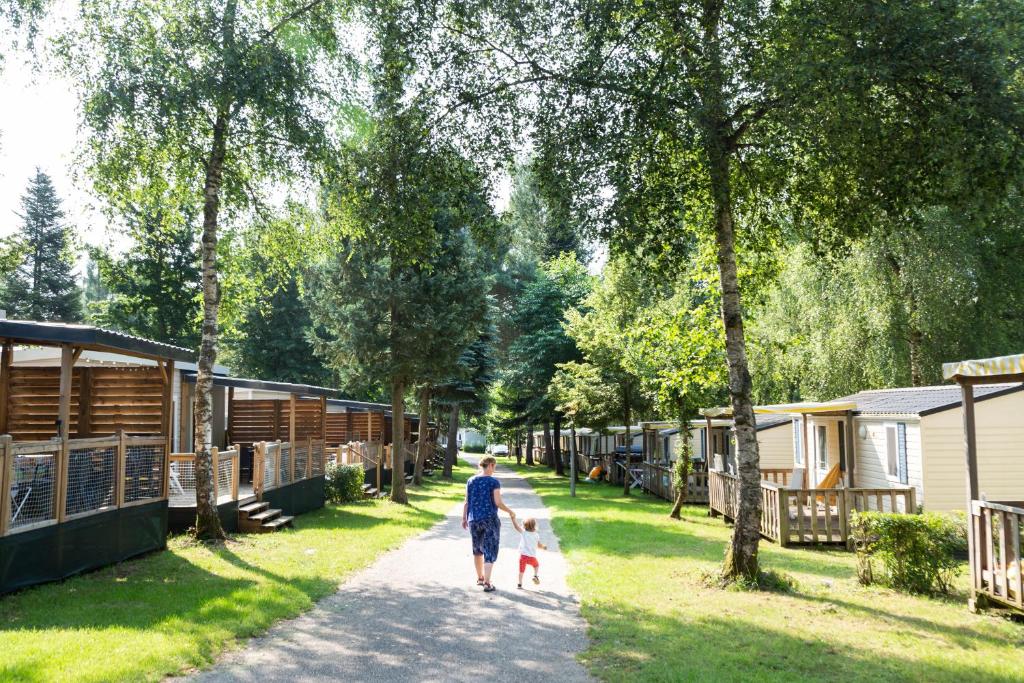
(651, 616)
(176, 610)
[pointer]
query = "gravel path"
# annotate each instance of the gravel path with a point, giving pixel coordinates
(416, 615)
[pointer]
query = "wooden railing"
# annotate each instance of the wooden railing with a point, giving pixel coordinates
(807, 515)
(277, 463)
(182, 478)
(995, 552)
(658, 480)
(47, 482)
(777, 475)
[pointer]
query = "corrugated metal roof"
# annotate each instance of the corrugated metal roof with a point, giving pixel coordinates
(768, 421)
(35, 332)
(920, 400)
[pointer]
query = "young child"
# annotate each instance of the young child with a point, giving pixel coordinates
(529, 541)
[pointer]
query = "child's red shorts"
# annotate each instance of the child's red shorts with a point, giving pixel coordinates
(526, 560)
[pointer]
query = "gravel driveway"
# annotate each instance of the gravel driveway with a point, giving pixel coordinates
(417, 615)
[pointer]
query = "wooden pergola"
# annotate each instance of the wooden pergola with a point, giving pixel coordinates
(84, 448)
(994, 527)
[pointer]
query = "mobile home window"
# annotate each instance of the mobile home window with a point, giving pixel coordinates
(890, 451)
(798, 449)
(822, 447)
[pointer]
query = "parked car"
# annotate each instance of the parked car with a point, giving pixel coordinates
(498, 449)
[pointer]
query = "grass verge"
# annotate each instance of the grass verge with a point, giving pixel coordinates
(177, 610)
(653, 617)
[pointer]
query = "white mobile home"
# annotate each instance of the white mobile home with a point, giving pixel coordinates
(912, 437)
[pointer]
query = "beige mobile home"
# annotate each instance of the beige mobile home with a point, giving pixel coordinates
(914, 437)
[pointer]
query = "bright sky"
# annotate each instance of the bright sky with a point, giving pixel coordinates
(39, 127)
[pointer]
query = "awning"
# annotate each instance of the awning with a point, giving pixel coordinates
(90, 337)
(985, 367)
(802, 408)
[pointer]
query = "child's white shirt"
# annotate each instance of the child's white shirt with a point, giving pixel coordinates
(528, 541)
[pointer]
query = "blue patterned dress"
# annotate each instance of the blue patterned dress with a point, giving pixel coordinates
(484, 525)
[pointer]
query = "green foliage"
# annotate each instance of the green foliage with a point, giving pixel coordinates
(475, 448)
(892, 309)
(153, 289)
(344, 483)
(42, 286)
(913, 553)
(272, 337)
(533, 356)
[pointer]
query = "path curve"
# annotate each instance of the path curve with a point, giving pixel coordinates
(416, 615)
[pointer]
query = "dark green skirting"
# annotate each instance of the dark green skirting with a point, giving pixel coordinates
(181, 519)
(298, 497)
(62, 550)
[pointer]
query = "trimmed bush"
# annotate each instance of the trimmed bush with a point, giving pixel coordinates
(912, 553)
(344, 483)
(474, 449)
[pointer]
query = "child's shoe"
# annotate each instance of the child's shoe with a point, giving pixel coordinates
(536, 579)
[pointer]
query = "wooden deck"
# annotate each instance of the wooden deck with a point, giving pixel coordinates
(995, 557)
(802, 516)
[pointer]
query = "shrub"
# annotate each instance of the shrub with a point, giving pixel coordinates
(912, 553)
(344, 483)
(474, 448)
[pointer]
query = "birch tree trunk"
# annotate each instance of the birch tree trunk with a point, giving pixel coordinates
(719, 147)
(451, 449)
(681, 470)
(398, 493)
(421, 441)
(207, 520)
(559, 465)
(529, 445)
(628, 415)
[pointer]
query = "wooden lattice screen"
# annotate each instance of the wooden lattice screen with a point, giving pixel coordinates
(103, 402)
(252, 421)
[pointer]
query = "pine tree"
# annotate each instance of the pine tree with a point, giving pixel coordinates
(43, 286)
(273, 340)
(154, 288)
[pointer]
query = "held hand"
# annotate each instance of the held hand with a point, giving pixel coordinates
(465, 524)
(512, 514)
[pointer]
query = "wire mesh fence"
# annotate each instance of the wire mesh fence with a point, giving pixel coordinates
(143, 472)
(33, 489)
(92, 479)
(226, 466)
(285, 468)
(182, 481)
(271, 476)
(301, 454)
(317, 454)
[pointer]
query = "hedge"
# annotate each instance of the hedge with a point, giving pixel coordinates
(344, 483)
(912, 553)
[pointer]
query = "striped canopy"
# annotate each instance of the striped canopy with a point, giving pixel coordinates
(985, 367)
(807, 407)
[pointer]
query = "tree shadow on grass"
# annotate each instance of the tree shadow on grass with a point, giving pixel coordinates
(635, 644)
(162, 593)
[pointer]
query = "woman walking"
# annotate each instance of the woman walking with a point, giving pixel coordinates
(480, 516)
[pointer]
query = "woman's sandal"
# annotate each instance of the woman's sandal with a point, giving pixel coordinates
(480, 582)
(489, 588)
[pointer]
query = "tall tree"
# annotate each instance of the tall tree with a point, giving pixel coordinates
(222, 99)
(154, 288)
(601, 329)
(43, 286)
(272, 338)
(533, 356)
(821, 107)
(466, 391)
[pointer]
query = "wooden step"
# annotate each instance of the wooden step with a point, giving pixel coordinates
(370, 492)
(252, 508)
(265, 516)
(279, 523)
